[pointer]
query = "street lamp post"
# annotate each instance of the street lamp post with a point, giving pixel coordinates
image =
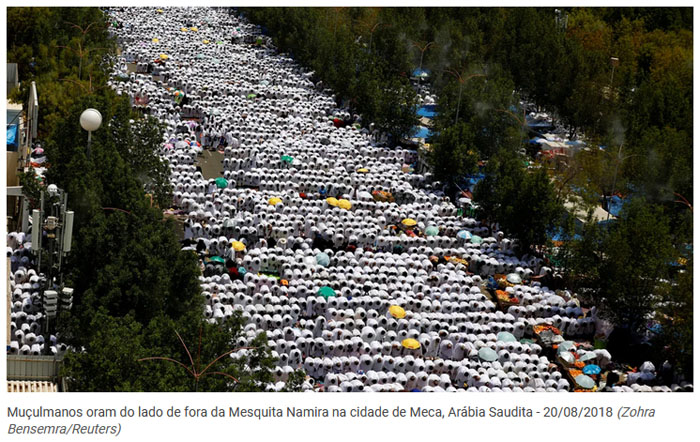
(90, 120)
(461, 80)
(371, 34)
(620, 159)
(422, 50)
(614, 61)
(521, 122)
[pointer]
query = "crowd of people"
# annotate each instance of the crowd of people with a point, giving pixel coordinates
(362, 273)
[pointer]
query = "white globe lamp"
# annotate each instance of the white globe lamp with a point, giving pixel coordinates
(90, 120)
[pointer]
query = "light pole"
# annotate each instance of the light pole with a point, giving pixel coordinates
(614, 61)
(521, 122)
(371, 34)
(422, 50)
(90, 120)
(461, 80)
(620, 159)
(683, 200)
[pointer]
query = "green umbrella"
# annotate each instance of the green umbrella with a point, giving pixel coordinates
(251, 96)
(566, 346)
(567, 357)
(287, 159)
(514, 278)
(488, 354)
(323, 259)
(432, 231)
(584, 381)
(218, 259)
(326, 292)
(476, 239)
(221, 183)
(588, 356)
(506, 337)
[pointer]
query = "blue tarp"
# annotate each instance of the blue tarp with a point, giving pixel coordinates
(616, 204)
(427, 111)
(558, 235)
(420, 72)
(470, 181)
(422, 132)
(12, 138)
(540, 125)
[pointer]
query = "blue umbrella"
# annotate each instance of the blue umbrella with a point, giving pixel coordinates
(591, 369)
(464, 234)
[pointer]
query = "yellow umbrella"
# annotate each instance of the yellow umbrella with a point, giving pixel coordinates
(238, 246)
(409, 222)
(363, 170)
(205, 41)
(274, 201)
(183, 29)
(163, 57)
(344, 204)
(411, 344)
(397, 311)
(332, 201)
(155, 40)
(159, 11)
(194, 29)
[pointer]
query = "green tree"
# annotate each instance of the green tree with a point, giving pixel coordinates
(123, 355)
(536, 211)
(522, 202)
(453, 153)
(623, 269)
(496, 193)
